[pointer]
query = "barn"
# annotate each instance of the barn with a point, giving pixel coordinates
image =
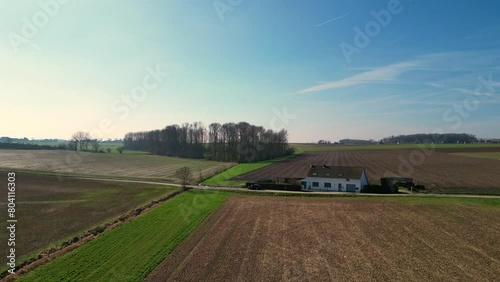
(335, 178)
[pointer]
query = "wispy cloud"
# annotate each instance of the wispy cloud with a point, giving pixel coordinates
(386, 73)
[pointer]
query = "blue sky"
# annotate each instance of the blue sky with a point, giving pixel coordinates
(321, 69)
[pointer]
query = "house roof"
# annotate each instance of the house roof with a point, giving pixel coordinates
(324, 171)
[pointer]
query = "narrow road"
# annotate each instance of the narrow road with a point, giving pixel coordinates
(204, 187)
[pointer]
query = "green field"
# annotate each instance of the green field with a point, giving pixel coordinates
(51, 210)
(487, 155)
(320, 148)
(224, 178)
(128, 166)
(132, 250)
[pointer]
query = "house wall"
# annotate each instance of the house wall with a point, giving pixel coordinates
(334, 181)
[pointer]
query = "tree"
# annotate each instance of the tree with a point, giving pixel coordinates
(82, 139)
(96, 145)
(120, 149)
(184, 175)
(108, 150)
(72, 145)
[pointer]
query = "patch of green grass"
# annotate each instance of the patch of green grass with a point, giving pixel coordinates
(488, 155)
(325, 148)
(224, 178)
(132, 250)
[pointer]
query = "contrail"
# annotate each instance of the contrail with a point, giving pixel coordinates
(334, 19)
(397, 39)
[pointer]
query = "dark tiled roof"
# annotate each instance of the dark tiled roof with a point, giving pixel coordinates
(324, 171)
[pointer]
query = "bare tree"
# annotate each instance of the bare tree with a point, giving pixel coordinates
(82, 139)
(184, 175)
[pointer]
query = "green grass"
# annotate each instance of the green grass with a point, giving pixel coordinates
(131, 251)
(321, 148)
(224, 178)
(491, 155)
(52, 210)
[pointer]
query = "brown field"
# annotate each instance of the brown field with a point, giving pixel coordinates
(439, 171)
(49, 210)
(340, 239)
(106, 165)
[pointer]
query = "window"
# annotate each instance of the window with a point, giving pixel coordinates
(328, 174)
(340, 187)
(328, 185)
(303, 183)
(347, 179)
(340, 174)
(315, 184)
(315, 173)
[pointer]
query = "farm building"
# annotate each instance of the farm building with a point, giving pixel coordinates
(335, 178)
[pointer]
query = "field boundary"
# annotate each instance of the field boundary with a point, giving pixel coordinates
(148, 239)
(225, 178)
(68, 246)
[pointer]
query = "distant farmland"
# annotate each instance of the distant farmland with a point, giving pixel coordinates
(330, 147)
(51, 210)
(439, 171)
(106, 165)
(341, 239)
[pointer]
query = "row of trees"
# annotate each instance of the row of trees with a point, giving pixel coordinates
(187, 141)
(447, 138)
(235, 142)
(82, 141)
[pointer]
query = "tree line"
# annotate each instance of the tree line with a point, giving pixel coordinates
(232, 142)
(446, 138)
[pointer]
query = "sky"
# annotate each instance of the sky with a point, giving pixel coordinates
(320, 69)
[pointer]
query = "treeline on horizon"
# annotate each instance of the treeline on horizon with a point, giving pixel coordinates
(445, 138)
(229, 142)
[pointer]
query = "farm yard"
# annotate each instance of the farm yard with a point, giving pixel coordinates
(441, 170)
(341, 239)
(50, 210)
(106, 165)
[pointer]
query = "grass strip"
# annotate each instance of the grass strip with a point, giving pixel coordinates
(131, 251)
(224, 178)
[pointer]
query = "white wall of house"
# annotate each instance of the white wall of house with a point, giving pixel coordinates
(359, 184)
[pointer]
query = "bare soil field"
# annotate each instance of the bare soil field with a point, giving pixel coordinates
(50, 209)
(107, 165)
(340, 239)
(439, 171)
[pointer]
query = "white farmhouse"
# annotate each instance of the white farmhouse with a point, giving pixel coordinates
(335, 178)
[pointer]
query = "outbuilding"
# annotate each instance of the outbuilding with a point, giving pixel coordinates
(335, 178)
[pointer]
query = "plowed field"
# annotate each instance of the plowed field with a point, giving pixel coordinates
(438, 171)
(340, 239)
